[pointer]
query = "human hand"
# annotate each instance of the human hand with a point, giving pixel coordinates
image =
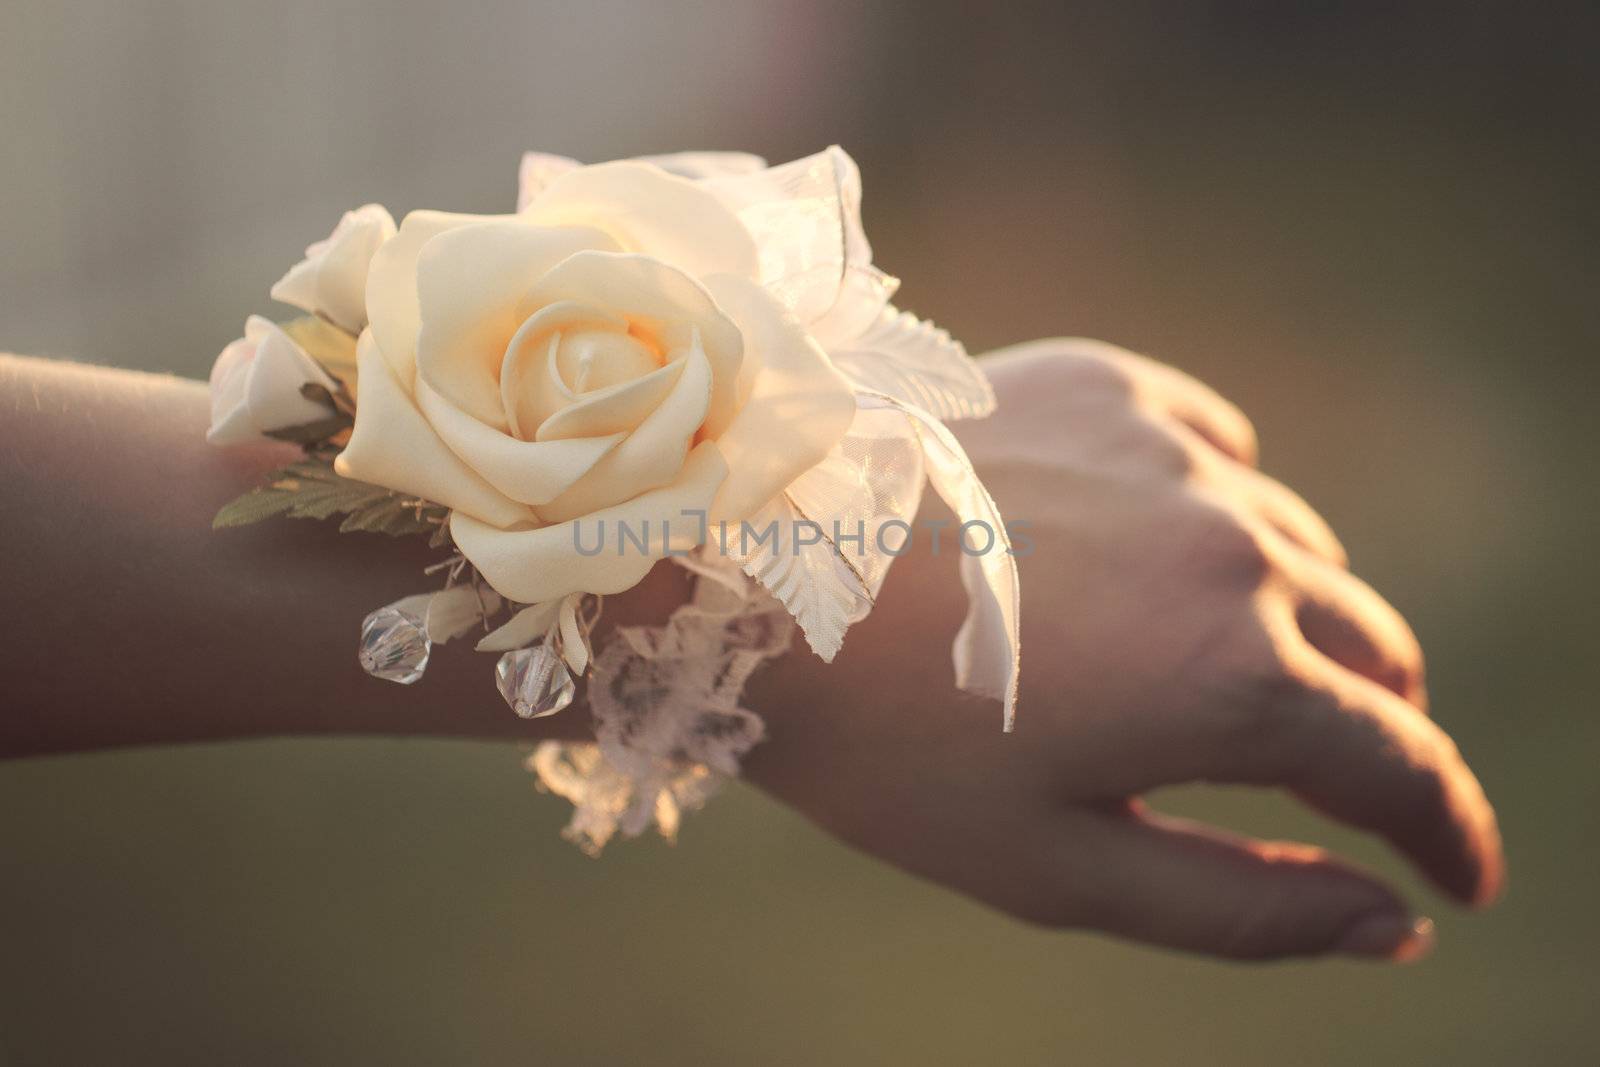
(1186, 618)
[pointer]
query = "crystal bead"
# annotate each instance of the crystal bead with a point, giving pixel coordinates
(534, 681)
(395, 645)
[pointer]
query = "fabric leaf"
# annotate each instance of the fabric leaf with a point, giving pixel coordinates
(792, 555)
(311, 490)
(917, 363)
(987, 648)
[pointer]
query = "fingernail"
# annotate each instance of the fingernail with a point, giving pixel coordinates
(1387, 936)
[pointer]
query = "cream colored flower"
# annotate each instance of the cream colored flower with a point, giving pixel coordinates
(539, 169)
(332, 280)
(255, 386)
(612, 353)
(654, 346)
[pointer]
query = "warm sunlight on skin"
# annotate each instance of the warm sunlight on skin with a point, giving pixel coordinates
(1187, 619)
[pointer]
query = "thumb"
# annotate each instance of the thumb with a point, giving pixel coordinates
(1181, 884)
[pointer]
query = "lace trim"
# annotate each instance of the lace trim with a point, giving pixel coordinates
(669, 730)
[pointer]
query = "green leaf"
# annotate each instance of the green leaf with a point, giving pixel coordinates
(311, 490)
(310, 433)
(254, 506)
(391, 515)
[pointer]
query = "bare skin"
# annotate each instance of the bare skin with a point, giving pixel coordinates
(1185, 618)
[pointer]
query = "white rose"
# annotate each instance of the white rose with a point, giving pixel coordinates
(332, 279)
(255, 386)
(539, 169)
(623, 349)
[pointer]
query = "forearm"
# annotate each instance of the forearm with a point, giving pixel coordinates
(128, 620)
(1193, 622)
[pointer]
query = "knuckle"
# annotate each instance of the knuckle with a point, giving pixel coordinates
(1409, 656)
(1259, 715)
(1307, 524)
(1150, 445)
(1134, 446)
(1234, 544)
(1321, 540)
(1174, 456)
(1396, 651)
(1264, 722)
(1229, 427)
(1405, 674)
(1248, 441)
(1244, 431)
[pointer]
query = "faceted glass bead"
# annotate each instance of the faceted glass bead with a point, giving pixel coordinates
(395, 645)
(534, 681)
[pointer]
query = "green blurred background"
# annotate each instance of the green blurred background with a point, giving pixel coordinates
(1371, 225)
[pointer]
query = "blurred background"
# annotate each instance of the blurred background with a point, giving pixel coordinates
(1371, 225)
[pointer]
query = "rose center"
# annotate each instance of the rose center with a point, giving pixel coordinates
(589, 360)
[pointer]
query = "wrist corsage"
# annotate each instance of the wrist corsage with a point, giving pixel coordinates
(688, 358)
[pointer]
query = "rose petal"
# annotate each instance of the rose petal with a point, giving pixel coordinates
(230, 418)
(649, 211)
(525, 627)
(530, 472)
(233, 428)
(342, 279)
(698, 166)
(531, 389)
(332, 279)
(532, 566)
(798, 408)
(618, 409)
(592, 360)
(298, 286)
(537, 170)
(470, 284)
(393, 446)
(256, 382)
(648, 457)
(392, 287)
(657, 295)
(275, 376)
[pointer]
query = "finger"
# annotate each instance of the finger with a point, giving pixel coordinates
(1217, 420)
(1285, 510)
(1197, 406)
(1346, 620)
(1363, 755)
(1172, 882)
